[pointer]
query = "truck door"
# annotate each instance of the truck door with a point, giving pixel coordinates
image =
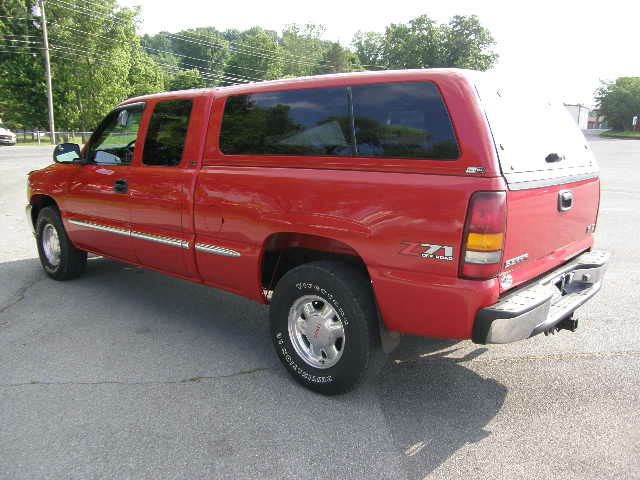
(98, 200)
(162, 182)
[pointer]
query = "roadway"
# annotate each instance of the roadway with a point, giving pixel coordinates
(125, 373)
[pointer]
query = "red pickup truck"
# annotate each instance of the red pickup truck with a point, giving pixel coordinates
(359, 206)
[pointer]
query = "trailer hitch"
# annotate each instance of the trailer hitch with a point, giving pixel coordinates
(568, 323)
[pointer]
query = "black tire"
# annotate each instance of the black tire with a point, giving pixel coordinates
(72, 262)
(348, 291)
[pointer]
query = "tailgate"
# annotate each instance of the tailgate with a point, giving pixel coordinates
(540, 236)
(552, 177)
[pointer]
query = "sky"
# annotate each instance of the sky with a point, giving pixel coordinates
(563, 47)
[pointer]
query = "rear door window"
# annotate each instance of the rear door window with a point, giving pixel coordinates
(402, 120)
(167, 133)
(299, 122)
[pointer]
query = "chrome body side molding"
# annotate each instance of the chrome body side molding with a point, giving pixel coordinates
(215, 250)
(174, 242)
(103, 228)
(125, 232)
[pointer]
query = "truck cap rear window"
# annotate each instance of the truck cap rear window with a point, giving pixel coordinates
(535, 137)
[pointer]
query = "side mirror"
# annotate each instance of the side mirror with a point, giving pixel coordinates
(66, 153)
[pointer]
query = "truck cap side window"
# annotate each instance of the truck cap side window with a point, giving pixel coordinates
(115, 139)
(167, 133)
(402, 120)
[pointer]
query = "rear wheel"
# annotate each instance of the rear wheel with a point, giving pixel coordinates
(59, 258)
(324, 326)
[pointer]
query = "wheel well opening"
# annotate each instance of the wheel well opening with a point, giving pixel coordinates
(38, 202)
(284, 251)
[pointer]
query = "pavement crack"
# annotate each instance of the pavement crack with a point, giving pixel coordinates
(478, 359)
(19, 295)
(564, 356)
(198, 379)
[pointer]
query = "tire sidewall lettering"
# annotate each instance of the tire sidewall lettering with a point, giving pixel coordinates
(323, 292)
(284, 352)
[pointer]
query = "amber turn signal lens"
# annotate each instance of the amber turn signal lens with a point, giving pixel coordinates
(485, 242)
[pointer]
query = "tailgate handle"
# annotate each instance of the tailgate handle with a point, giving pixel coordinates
(565, 200)
(553, 157)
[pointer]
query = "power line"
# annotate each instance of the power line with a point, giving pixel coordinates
(247, 49)
(74, 8)
(235, 49)
(21, 35)
(97, 4)
(211, 74)
(79, 52)
(246, 78)
(191, 39)
(293, 58)
(162, 51)
(18, 18)
(79, 49)
(21, 41)
(22, 47)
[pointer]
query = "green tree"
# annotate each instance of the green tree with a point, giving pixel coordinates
(467, 44)
(96, 62)
(417, 44)
(369, 47)
(22, 83)
(186, 79)
(160, 48)
(203, 48)
(422, 43)
(619, 102)
(302, 49)
(256, 56)
(336, 59)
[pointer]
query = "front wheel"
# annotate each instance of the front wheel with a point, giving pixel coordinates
(324, 326)
(59, 258)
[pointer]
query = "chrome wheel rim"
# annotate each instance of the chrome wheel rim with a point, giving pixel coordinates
(316, 331)
(51, 244)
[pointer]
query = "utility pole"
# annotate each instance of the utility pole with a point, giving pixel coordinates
(47, 70)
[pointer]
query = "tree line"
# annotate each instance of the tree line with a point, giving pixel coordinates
(98, 58)
(619, 102)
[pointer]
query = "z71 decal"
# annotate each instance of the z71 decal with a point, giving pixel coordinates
(427, 250)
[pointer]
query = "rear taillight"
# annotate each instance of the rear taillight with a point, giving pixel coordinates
(484, 231)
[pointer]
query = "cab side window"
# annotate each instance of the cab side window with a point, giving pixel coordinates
(115, 138)
(167, 133)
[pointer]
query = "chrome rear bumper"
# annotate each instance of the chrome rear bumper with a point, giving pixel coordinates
(541, 306)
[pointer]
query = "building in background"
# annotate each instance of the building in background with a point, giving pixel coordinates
(580, 114)
(596, 121)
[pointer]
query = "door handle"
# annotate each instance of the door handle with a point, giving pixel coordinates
(120, 186)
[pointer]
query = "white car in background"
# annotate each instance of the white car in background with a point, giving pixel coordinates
(7, 137)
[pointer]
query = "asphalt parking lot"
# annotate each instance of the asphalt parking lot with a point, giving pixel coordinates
(125, 373)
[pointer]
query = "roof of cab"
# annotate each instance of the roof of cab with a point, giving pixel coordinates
(330, 80)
